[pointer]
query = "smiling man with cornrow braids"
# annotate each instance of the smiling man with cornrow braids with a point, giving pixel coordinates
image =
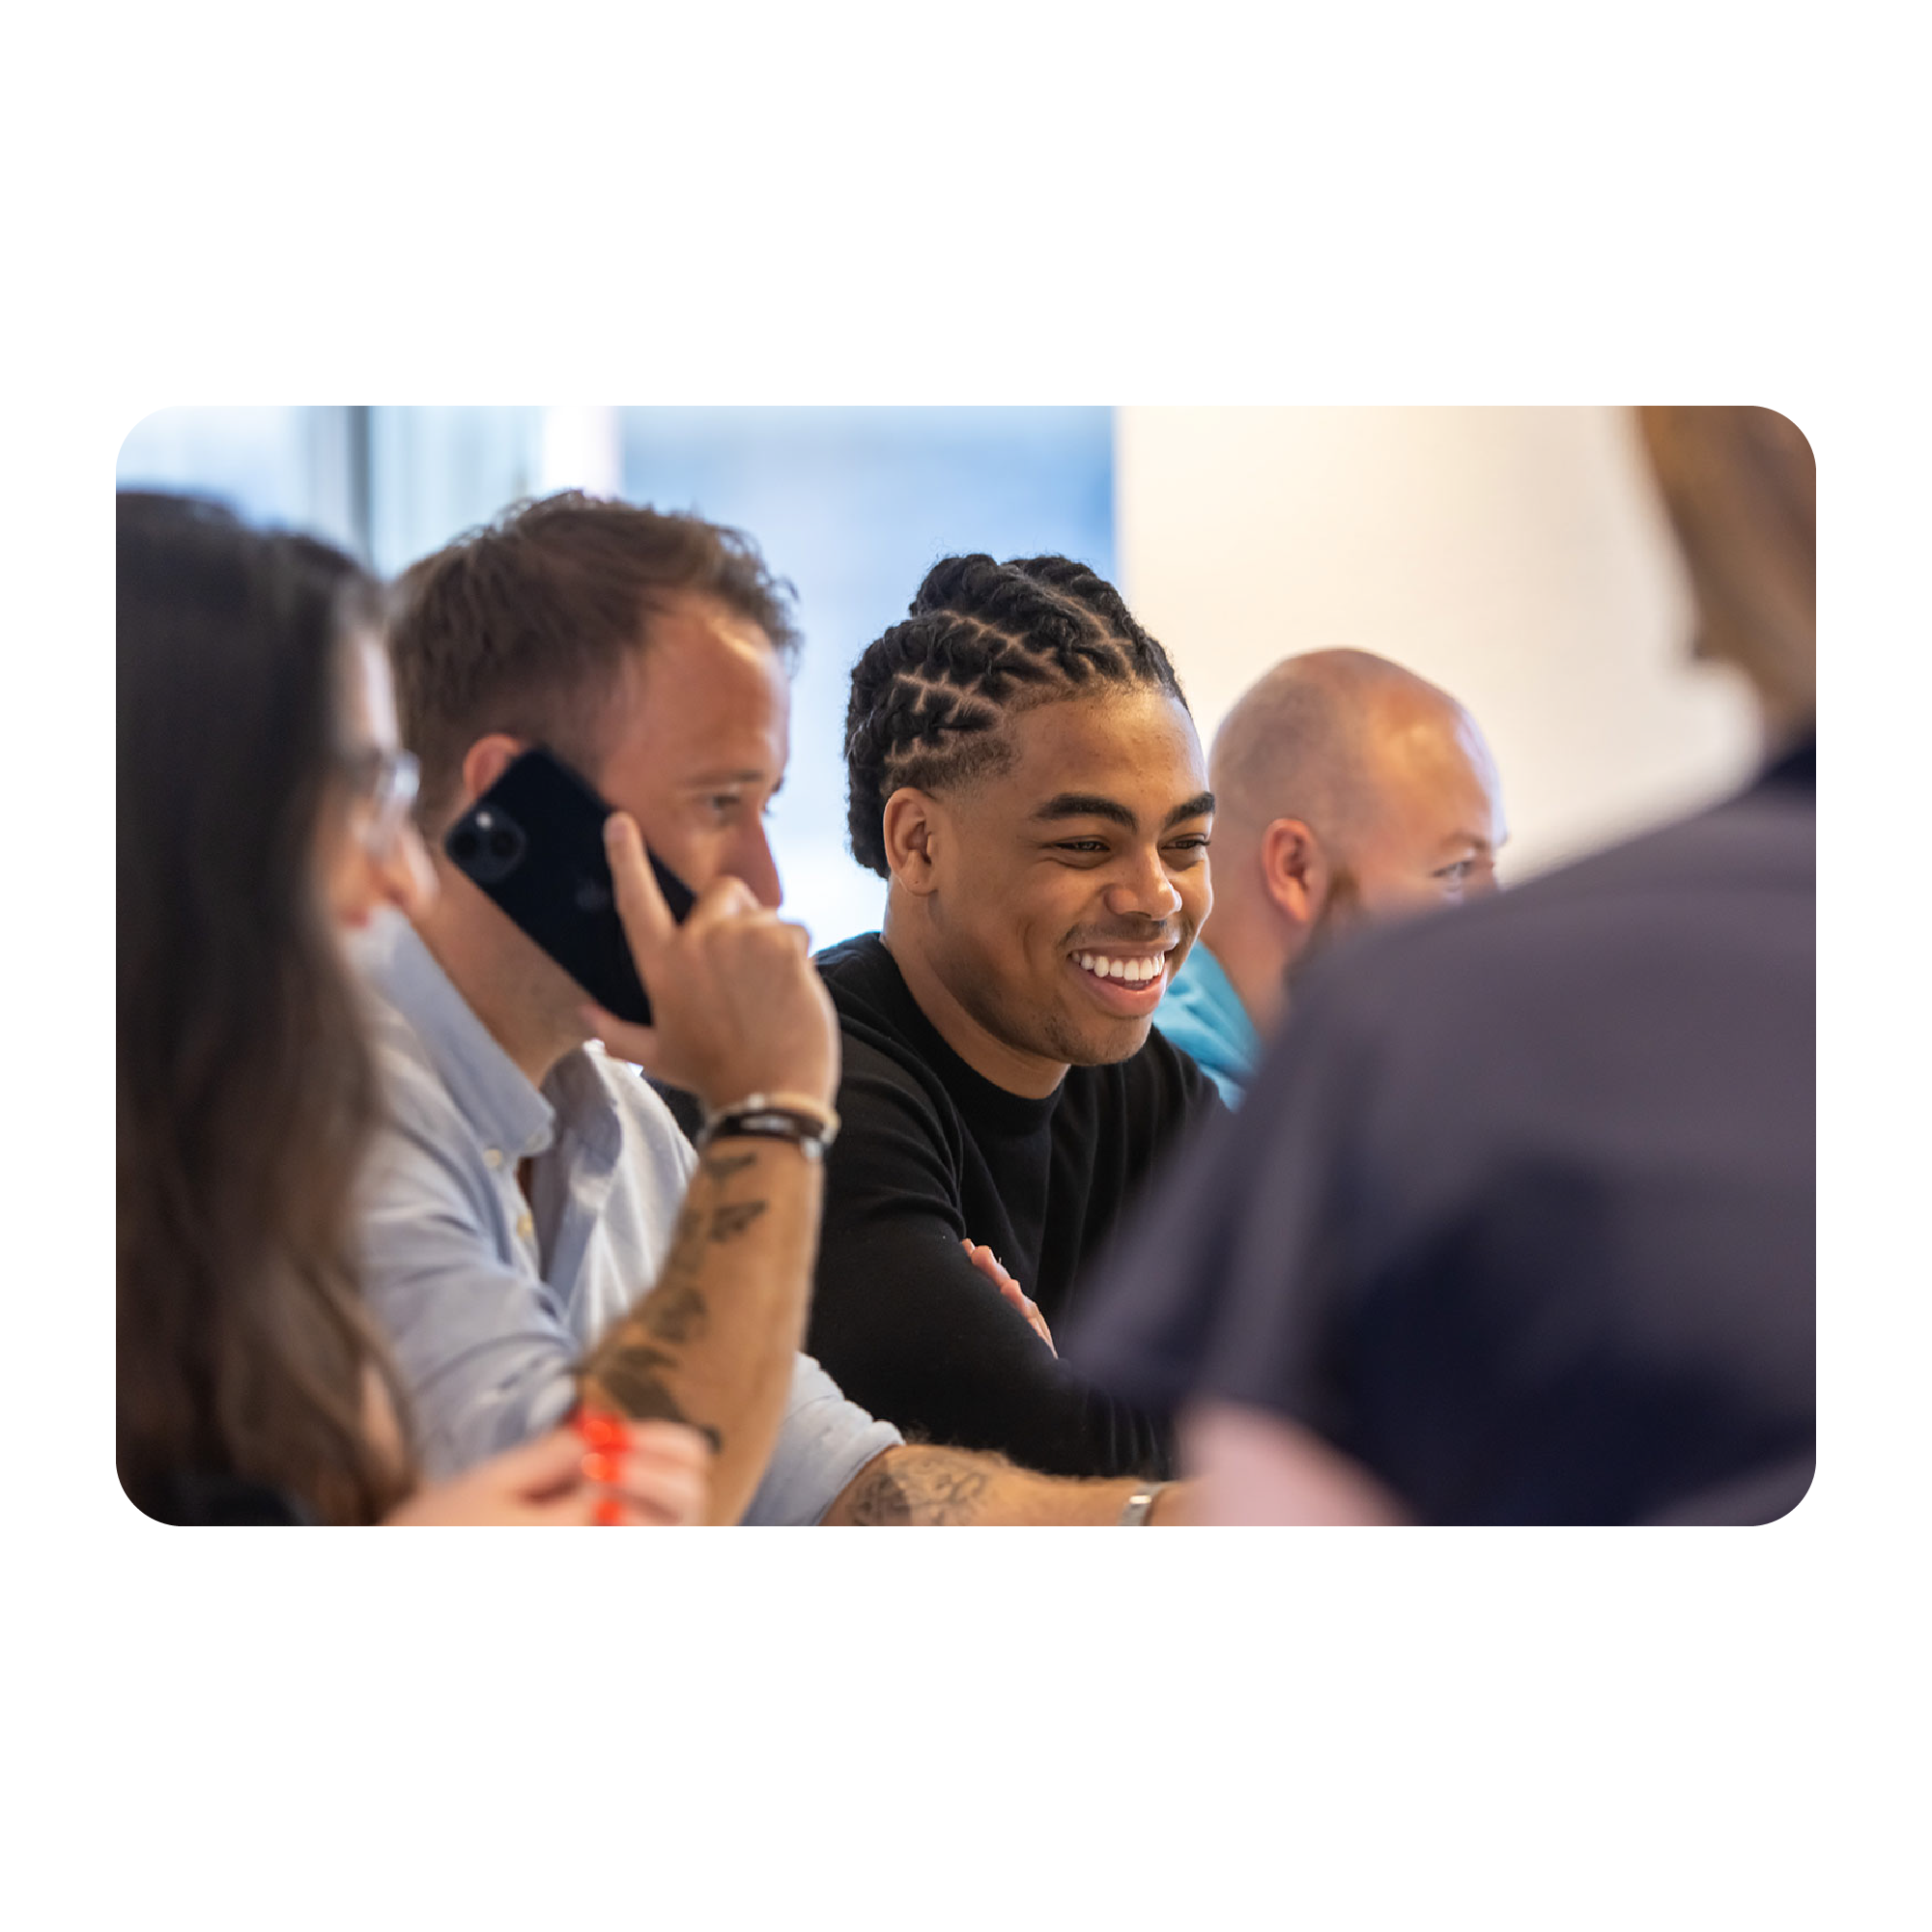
(1024, 771)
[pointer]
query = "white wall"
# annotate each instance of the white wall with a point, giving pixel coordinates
(1516, 557)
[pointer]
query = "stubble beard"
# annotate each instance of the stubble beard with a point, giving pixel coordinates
(1052, 1036)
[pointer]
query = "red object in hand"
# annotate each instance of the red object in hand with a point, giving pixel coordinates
(602, 1430)
(605, 1439)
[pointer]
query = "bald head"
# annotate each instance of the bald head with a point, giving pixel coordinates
(1314, 739)
(1346, 788)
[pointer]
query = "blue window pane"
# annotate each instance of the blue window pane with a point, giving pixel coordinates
(294, 466)
(435, 472)
(853, 505)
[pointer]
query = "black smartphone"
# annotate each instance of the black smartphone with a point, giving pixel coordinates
(535, 841)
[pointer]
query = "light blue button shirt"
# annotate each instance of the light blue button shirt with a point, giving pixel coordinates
(1203, 1016)
(491, 1301)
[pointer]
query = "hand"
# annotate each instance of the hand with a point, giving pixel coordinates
(737, 1006)
(662, 1478)
(988, 1264)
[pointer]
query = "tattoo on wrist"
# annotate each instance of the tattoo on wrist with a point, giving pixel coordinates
(730, 1219)
(634, 1381)
(675, 1313)
(633, 1372)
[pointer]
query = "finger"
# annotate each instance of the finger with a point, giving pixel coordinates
(987, 1263)
(622, 1038)
(647, 922)
(568, 1511)
(636, 1514)
(725, 898)
(673, 1442)
(635, 1490)
(666, 1496)
(540, 1467)
(680, 1490)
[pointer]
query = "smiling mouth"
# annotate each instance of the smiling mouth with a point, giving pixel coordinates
(1129, 971)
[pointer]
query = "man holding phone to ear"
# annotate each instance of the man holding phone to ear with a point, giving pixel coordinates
(538, 1229)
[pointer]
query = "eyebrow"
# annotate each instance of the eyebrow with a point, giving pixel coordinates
(1095, 805)
(704, 780)
(1458, 841)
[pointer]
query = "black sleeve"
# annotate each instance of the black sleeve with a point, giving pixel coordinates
(913, 1331)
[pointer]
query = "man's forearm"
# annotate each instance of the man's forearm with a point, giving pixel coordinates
(714, 1342)
(923, 1484)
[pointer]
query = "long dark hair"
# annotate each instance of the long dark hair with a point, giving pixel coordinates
(246, 1093)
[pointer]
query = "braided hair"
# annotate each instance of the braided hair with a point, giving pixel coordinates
(981, 642)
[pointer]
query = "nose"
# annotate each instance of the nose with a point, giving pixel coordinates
(1145, 890)
(404, 875)
(757, 869)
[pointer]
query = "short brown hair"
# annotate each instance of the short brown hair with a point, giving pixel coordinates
(524, 624)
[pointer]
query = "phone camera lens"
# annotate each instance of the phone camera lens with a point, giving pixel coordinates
(487, 844)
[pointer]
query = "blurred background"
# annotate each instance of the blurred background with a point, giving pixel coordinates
(1515, 556)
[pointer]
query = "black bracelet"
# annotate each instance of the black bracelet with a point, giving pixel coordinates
(810, 1135)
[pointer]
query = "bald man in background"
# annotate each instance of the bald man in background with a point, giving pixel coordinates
(1346, 789)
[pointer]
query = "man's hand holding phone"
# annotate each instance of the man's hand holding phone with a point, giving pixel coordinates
(737, 1006)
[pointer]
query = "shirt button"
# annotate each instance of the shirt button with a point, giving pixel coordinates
(525, 1225)
(493, 1157)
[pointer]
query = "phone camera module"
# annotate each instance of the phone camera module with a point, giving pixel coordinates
(486, 844)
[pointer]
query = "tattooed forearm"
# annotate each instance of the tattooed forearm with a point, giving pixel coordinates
(676, 1313)
(632, 1377)
(716, 1335)
(920, 1485)
(877, 1499)
(733, 1217)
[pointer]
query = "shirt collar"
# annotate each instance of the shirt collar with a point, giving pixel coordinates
(1210, 986)
(487, 1086)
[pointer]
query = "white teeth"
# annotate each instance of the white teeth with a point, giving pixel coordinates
(1131, 971)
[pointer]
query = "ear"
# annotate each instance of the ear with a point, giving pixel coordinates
(914, 826)
(484, 762)
(1295, 872)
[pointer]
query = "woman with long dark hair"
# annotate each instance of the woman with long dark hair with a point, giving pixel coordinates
(263, 807)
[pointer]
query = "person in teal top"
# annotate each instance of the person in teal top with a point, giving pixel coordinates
(1346, 789)
(1203, 1016)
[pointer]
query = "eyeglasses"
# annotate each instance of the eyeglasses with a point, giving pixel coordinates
(385, 783)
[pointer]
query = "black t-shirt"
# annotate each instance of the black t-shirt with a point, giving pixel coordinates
(1521, 1209)
(930, 1153)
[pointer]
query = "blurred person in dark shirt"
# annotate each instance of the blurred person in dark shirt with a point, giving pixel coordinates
(1518, 1221)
